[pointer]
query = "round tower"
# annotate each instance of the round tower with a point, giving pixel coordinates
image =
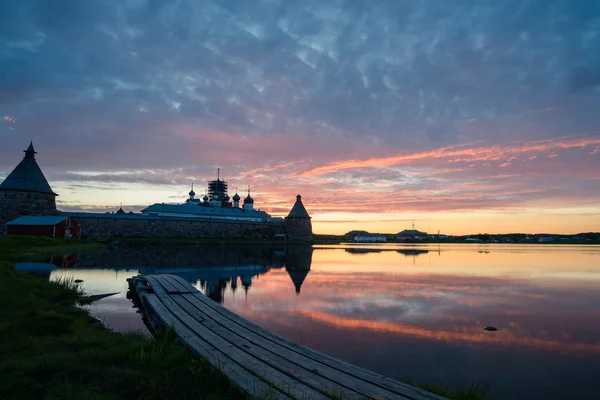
(297, 223)
(25, 191)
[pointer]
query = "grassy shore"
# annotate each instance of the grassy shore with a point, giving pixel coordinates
(34, 248)
(52, 349)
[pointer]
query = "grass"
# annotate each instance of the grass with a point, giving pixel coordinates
(35, 248)
(52, 349)
(459, 391)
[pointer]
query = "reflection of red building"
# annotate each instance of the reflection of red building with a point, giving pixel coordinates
(66, 261)
(52, 226)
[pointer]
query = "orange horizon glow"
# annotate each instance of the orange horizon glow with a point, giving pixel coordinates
(542, 186)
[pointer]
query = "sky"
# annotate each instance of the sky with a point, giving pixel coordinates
(459, 116)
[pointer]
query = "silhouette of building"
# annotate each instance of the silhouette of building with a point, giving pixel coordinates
(216, 205)
(350, 235)
(25, 191)
(411, 234)
(370, 238)
(297, 223)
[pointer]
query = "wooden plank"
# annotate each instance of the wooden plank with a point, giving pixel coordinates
(246, 360)
(305, 377)
(291, 373)
(305, 369)
(170, 288)
(355, 372)
(244, 379)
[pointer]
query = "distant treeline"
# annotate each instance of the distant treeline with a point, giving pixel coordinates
(593, 237)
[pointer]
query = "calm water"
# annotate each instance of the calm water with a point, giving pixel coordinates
(404, 311)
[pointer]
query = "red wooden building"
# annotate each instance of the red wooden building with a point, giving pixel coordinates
(52, 226)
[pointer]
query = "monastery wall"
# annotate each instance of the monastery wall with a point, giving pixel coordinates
(159, 228)
(16, 203)
(299, 228)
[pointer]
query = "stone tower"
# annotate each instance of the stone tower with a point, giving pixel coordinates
(297, 223)
(25, 191)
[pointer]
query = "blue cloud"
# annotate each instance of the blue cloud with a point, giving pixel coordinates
(399, 72)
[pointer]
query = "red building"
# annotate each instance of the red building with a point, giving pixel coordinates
(51, 226)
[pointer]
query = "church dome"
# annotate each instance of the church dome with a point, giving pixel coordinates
(192, 193)
(226, 198)
(248, 200)
(236, 197)
(205, 198)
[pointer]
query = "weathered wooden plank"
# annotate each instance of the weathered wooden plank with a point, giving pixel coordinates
(171, 288)
(305, 369)
(246, 360)
(244, 379)
(354, 372)
(294, 371)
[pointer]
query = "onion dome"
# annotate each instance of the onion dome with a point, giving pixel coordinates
(205, 198)
(226, 198)
(192, 193)
(248, 200)
(236, 197)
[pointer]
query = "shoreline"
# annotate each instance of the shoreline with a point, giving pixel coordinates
(54, 347)
(316, 241)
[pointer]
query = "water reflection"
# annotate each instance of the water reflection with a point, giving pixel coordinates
(214, 269)
(406, 252)
(404, 311)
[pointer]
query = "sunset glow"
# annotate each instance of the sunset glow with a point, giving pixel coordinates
(378, 122)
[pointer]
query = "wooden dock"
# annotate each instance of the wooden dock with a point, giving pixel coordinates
(262, 364)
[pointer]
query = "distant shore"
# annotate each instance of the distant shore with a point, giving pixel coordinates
(480, 238)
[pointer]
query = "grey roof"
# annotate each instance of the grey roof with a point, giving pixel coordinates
(27, 175)
(38, 220)
(298, 211)
(195, 209)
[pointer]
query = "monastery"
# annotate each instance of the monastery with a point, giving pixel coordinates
(26, 192)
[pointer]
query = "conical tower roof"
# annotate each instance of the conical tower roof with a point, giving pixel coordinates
(298, 211)
(27, 176)
(298, 277)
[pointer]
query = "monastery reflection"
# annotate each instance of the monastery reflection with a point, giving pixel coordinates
(214, 269)
(214, 281)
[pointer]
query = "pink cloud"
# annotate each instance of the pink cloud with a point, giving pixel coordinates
(490, 153)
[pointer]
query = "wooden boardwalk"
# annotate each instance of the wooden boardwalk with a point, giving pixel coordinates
(262, 364)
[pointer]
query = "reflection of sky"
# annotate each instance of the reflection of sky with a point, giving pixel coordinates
(422, 316)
